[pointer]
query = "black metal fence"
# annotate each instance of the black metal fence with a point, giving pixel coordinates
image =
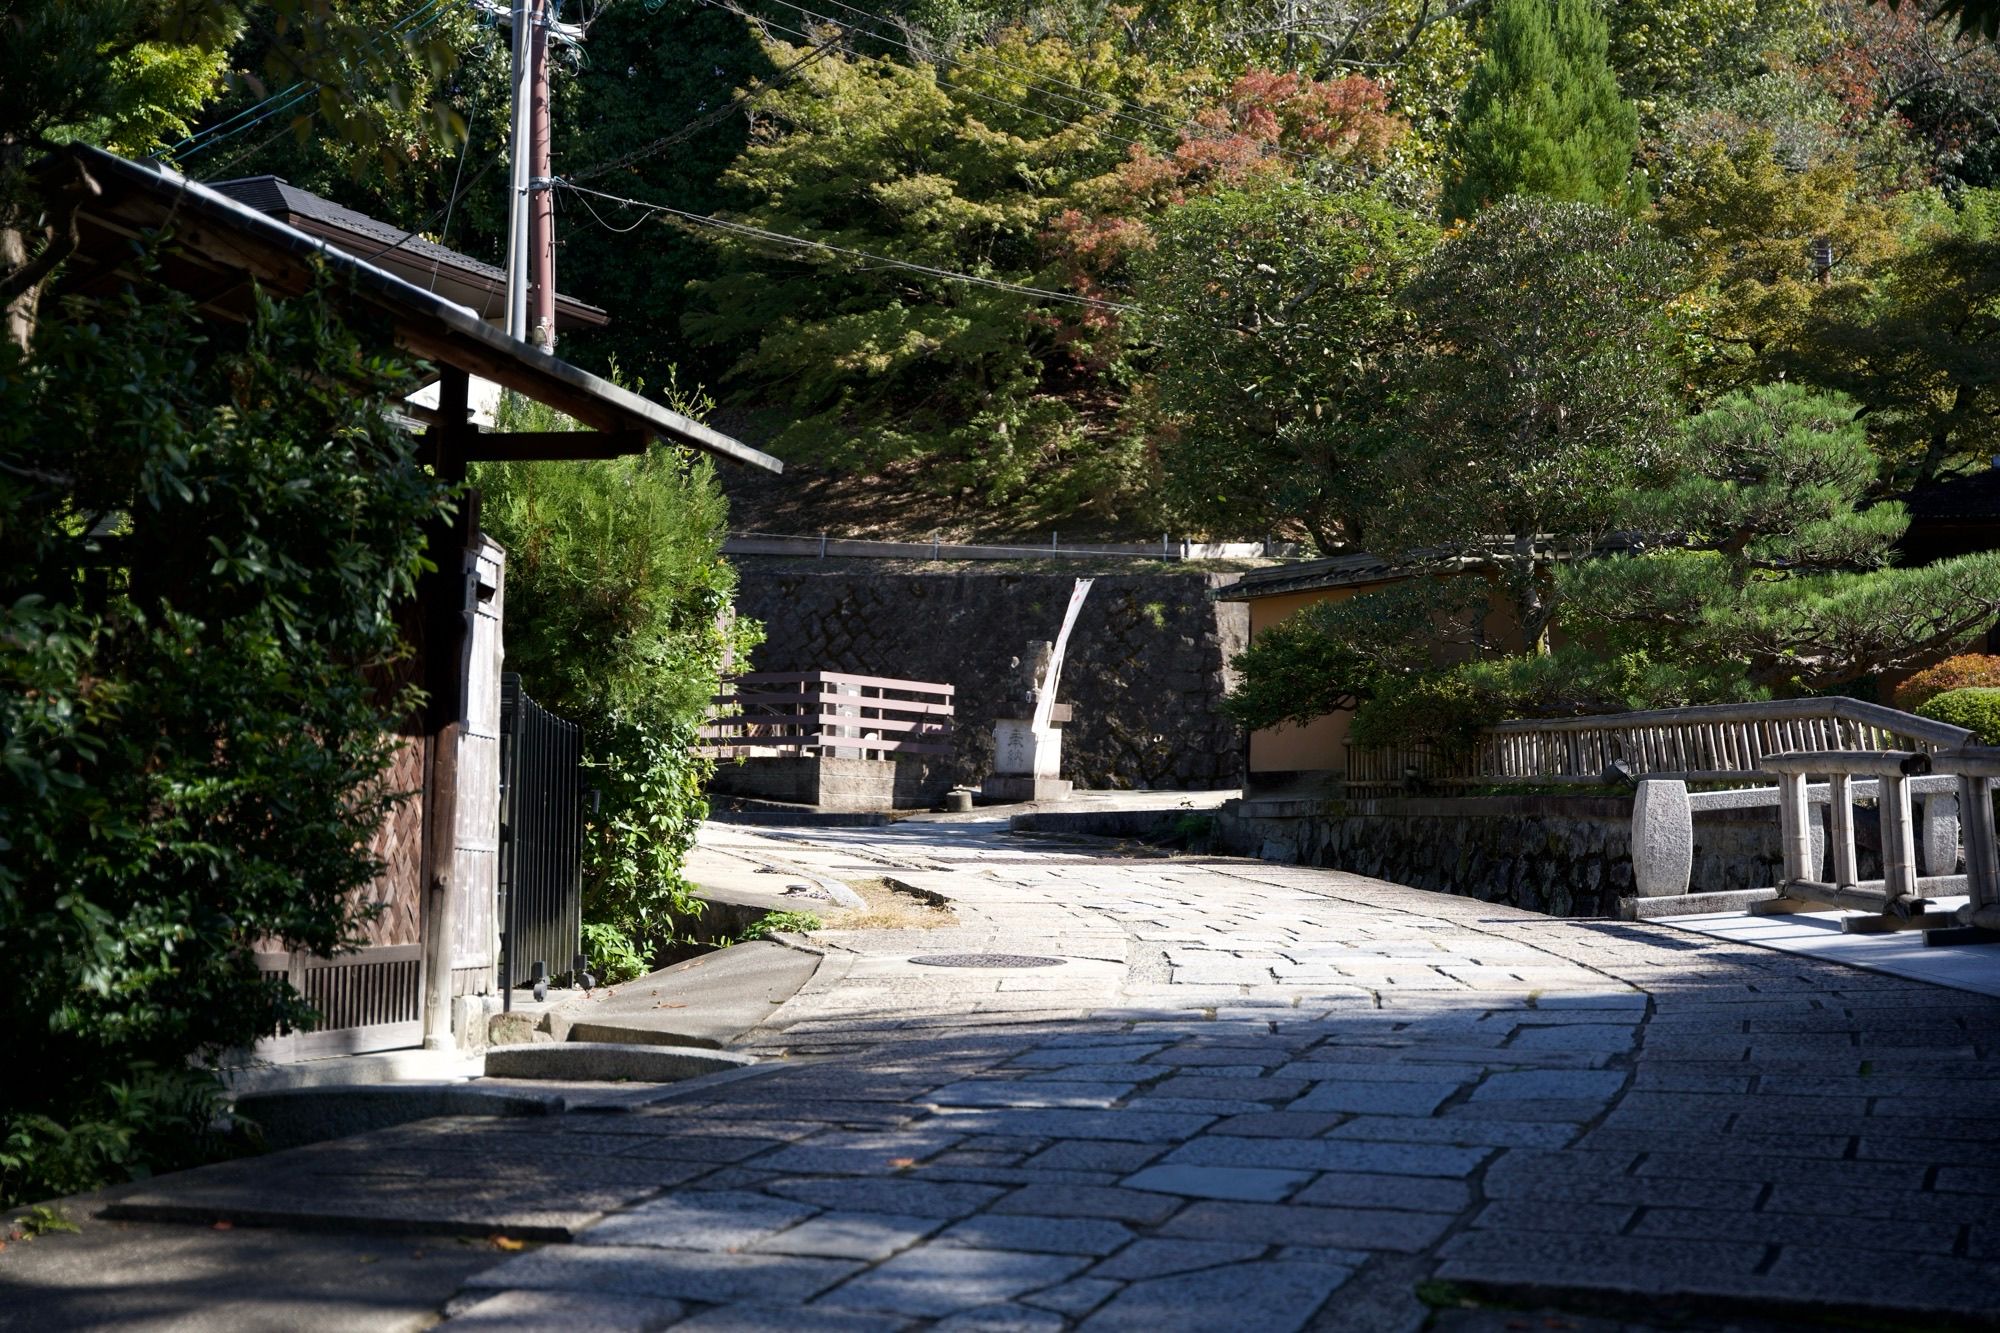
(541, 847)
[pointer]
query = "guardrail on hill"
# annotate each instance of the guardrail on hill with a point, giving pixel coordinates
(826, 547)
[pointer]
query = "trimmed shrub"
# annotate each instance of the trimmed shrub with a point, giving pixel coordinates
(1964, 672)
(618, 603)
(205, 533)
(1977, 710)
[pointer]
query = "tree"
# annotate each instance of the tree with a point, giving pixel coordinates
(618, 616)
(1762, 566)
(126, 73)
(864, 366)
(1750, 228)
(1979, 18)
(1683, 48)
(1543, 114)
(205, 535)
(1543, 384)
(1275, 322)
(1919, 346)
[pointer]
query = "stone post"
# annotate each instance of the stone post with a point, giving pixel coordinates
(1662, 838)
(1939, 834)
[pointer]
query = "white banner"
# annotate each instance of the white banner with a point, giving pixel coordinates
(1045, 705)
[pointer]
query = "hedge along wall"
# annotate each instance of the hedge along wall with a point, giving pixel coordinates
(1146, 672)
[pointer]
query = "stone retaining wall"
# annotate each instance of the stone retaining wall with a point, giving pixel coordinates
(1563, 855)
(1146, 672)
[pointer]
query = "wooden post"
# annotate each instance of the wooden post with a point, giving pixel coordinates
(440, 851)
(1840, 796)
(446, 631)
(1899, 840)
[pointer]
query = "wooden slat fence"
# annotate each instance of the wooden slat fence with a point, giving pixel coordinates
(829, 713)
(1715, 742)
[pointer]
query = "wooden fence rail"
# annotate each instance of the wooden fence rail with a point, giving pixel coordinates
(828, 713)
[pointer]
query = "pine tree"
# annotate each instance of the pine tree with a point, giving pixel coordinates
(1543, 114)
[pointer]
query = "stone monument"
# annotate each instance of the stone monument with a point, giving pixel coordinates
(1027, 731)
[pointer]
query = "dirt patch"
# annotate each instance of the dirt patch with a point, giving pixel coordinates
(888, 908)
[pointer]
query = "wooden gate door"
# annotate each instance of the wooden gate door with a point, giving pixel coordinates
(370, 1000)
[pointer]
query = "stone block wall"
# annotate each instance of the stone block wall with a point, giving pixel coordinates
(1565, 856)
(1146, 671)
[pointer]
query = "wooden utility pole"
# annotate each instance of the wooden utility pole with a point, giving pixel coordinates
(541, 321)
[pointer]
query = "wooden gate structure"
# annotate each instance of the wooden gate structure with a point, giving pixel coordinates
(435, 935)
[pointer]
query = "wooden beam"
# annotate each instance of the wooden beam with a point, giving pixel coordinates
(565, 445)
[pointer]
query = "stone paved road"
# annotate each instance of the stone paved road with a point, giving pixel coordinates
(1267, 1098)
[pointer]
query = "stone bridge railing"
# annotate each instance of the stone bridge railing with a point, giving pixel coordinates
(1711, 743)
(1899, 898)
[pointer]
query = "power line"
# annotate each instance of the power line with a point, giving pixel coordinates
(960, 88)
(798, 242)
(1048, 82)
(716, 117)
(293, 94)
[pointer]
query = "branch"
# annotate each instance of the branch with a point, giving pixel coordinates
(60, 246)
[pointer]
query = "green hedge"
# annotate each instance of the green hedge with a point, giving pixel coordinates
(1977, 710)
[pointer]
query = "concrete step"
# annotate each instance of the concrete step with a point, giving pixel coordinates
(707, 1001)
(407, 1066)
(1696, 904)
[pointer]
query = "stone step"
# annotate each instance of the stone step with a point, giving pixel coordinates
(295, 1116)
(1695, 904)
(609, 1062)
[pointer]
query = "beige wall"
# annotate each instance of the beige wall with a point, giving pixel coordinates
(1319, 745)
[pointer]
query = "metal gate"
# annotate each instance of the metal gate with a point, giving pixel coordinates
(541, 847)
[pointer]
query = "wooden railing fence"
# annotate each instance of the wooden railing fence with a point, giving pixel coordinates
(828, 713)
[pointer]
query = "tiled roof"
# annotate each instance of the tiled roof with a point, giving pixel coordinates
(382, 243)
(1340, 571)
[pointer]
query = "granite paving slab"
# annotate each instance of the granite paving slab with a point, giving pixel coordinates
(1285, 1097)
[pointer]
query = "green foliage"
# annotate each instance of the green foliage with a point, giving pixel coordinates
(780, 923)
(611, 954)
(871, 366)
(205, 536)
(1332, 654)
(1691, 47)
(1542, 386)
(1761, 566)
(1919, 346)
(1749, 224)
(618, 619)
(1276, 324)
(1977, 710)
(42, 1220)
(1543, 114)
(1963, 671)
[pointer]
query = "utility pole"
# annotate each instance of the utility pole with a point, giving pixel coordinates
(541, 322)
(520, 152)
(531, 205)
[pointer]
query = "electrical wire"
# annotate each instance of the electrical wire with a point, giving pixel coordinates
(798, 242)
(1044, 84)
(715, 117)
(295, 93)
(960, 88)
